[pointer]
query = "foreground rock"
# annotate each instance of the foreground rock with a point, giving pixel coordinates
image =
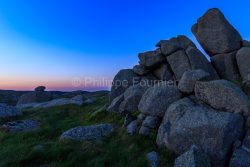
(88, 133)
(215, 34)
(77, 100)
(223, 95)
(7, 111)
(189, 79)
(188, 123)
(240, 158)
(193, 158)
(243, 61)
(153, 159)
(157, 99)
(20, 126)
(115, 104)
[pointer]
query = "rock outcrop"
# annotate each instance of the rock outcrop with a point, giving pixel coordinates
(20, 126)
(7, 111)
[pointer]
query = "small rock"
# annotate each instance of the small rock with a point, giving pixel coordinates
(132, 127)
(39, 147)
(193, 158)
(153, 159)
(141, 117)
(144, 131)
(151, 122)
(189, 78)
(223, 95)
(20, 126)
(88, 133)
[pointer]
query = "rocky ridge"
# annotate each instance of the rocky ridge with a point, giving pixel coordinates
(190, 100)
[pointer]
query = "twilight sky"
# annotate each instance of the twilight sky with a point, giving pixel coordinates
(59, 43)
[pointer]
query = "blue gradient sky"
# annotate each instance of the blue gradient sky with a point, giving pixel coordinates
(50, 42)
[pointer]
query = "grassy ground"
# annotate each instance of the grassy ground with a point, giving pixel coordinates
(118, 150)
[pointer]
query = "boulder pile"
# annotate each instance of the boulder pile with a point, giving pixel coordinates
(196, 105)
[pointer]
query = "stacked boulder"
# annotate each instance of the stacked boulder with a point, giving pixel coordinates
(192, 101)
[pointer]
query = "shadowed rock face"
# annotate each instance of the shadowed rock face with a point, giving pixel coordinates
(188, 123)
(243, 61)
(215, 34)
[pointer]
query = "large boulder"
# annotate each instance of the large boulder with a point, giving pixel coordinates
(179, 63)
(240, 158)
(132, 97)
(243, 61)
(215, 34)
(34, 97)
(163, 73)
(223, 95)
(198, 61)
(193, 158)
(151, 59)
(123, 79)
(157, 99)
(188, 123)
(88, 133)
(7, 111)
(189, 78)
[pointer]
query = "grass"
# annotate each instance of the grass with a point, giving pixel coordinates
(118, 150)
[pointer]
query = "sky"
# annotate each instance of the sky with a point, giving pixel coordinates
(77, 44)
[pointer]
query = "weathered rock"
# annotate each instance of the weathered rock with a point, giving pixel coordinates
(226, 66)
(246, 142)
(88, 133)
(34, 97)
(181, 41)
(141, 117)
(144, 131)
(20, 126)
(199, 61)
(123, 80)
(132, 127)
(132, 97)
(153, 159)
(219, 65)
(151, 122)
(243, 61)
(114, 106)
(40, 89)
(193, 158)
(215, 34)
(179, 63)
(187, 123)
(7, 111)
(151, 59)
(245, 43)
(77, 100)
(168, 47)
(140, 70)
(240, 158)
(223, 95)
(157, 99)
(163, 73)
(189, 78)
